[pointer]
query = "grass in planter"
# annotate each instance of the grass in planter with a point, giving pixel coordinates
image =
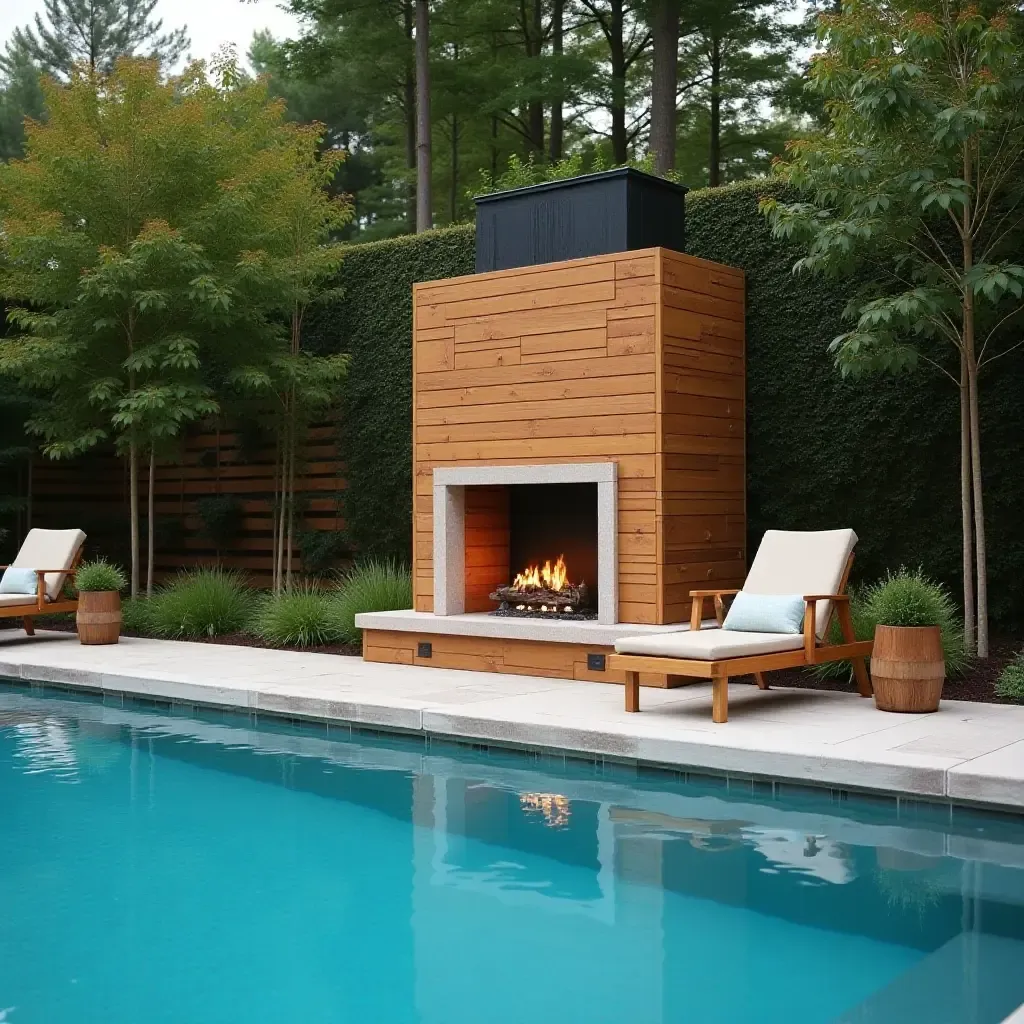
(377, 585)
(906, 598)
(201, 603)
(1010, 683)
(100, 575)
(304, 617)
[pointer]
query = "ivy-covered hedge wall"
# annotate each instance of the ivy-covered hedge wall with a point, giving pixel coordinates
(372, 320)
(878, 454)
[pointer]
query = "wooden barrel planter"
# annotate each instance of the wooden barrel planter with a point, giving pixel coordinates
(907, 668)
(99, 616)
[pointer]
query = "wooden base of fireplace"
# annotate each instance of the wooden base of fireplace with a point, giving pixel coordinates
(494, 654)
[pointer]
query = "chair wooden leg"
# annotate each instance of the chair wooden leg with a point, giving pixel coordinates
(762, 683)
(860, 671)
(632, 691)
(720, 699)
(30, 629)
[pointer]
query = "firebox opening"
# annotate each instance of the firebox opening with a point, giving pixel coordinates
(548, 522)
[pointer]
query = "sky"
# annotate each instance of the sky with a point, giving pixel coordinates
(211, 23)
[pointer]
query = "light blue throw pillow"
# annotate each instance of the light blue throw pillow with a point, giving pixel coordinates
(18, 581)
(766, 613)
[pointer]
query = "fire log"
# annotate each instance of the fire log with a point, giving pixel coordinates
(573, 596)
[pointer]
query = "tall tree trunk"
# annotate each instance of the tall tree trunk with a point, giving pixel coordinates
(533, 32)
(28, 492)
(150, 527)
(966, 509)
(133, 512)
(980, 551)
(617, 45)
(290, 538)
(424, 216)
(715, 149)
(279, 525)
(410, 120)
(275, 512)
(557, 136)
(971, 356)
(664, 82)
(453, 195)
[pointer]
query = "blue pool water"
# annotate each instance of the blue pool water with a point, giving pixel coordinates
(157, 866)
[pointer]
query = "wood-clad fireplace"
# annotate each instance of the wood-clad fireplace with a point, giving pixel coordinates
(594, 410)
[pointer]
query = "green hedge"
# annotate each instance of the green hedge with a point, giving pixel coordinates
(878, 454)
(373, 322)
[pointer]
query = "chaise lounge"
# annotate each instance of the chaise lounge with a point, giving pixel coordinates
(796, 584)
(33, 583)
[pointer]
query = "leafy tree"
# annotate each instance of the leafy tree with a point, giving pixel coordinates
(142, 236)
(919, 172)
(95, 33)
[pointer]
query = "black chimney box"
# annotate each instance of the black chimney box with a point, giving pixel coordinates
(590, 215)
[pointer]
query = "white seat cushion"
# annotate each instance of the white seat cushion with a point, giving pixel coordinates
(12, 600)
(709, 644)
(802, 562)
(50, 549)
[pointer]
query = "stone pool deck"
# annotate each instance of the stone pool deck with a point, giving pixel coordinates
(966, 752)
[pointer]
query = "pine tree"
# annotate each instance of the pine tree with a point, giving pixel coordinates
(95, 33)
(20, 96)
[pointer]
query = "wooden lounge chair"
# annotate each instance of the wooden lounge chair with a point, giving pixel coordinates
(814, 565)
(54, 555)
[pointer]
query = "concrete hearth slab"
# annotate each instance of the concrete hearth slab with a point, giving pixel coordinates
(967, 752)
(507, 627)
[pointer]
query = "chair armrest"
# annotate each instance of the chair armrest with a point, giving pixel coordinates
(712, 593)
(827, 597)
(66, 572)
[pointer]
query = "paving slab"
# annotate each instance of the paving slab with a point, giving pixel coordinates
(967, 752)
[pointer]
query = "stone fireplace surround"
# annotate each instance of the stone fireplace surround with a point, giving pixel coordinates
(450, 485)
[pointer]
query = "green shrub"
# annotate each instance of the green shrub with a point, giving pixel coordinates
(135, 617)
(909, 598)
(320, 550)
(99, 574)
(377, 585)
(305, 617)
(1010, 683)
(221, 516)
(203, 602)
(903, 598)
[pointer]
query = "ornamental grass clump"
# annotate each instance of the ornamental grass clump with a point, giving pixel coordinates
(1010, 683)
(99, 575)
(135, 616)
(201, 603)
(909, 598)
(305, 616)
(377, 585)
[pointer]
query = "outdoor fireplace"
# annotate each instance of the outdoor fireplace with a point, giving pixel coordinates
(526, 541)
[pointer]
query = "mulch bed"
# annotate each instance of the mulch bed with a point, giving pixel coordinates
(977, 683)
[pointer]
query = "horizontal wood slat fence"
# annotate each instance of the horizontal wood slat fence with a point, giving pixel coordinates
(91, 492)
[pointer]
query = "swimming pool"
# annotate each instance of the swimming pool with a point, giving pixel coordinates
(187, 866)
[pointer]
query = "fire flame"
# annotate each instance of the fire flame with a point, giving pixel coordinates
(550, 577)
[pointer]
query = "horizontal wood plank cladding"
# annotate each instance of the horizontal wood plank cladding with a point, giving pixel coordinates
(92, 493)
(702, 507)
(487, 654)
(633, 357)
